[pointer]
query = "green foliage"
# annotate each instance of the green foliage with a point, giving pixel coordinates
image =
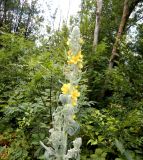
(99, 154)
(29, 90)
(129, 155)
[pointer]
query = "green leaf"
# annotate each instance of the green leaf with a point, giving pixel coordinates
(120, 146)
(93, 142)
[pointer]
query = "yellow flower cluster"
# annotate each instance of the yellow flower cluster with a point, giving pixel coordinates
(66, 88)
(71, 90)
(75, 59)
(75, 94)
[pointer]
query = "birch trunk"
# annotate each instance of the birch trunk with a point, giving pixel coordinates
(97, 24)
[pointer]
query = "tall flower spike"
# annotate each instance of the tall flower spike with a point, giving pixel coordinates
(64, 123)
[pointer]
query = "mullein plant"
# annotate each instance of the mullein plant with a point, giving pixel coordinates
(63, 122)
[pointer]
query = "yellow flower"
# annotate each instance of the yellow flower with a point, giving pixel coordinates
(75, 94)
(74, 101)
(66, 88)
(80, 56)
(75, 59)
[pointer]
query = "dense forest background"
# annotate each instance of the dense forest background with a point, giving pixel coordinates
(111, 102)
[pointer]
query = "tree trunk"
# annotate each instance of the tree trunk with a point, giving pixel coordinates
(127, 10)
(5, 10)
(129, 6)
(20, 18)
(27, 24)
(98, 17)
